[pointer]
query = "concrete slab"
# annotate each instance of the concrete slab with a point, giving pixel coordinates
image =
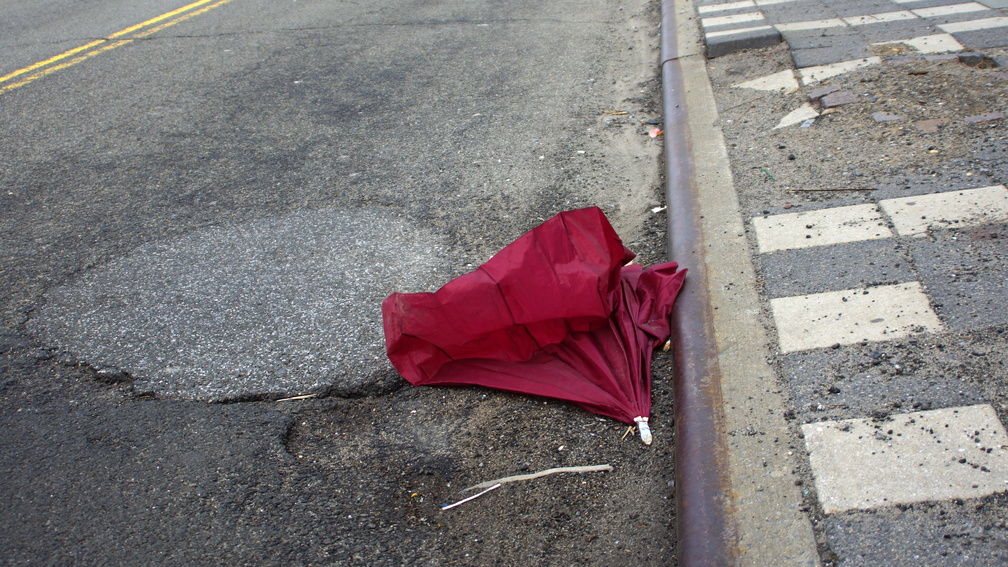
(959, 452)
(949, 10)
(717, 21)
(918, 214)
(724, 7)
(929, 44)
(880, 18)
(852, 316)
(974, 25)
(811, 25)
(821, 227)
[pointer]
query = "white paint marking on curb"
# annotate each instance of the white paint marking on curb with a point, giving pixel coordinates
(938, 43)
(729, 20)
(818, 73)
(712, 8)
(915, 457)
(881, 18)
(823, 227)
(950, 10)
(811, 25)
(974, 25)
(782, 81)
(851, 316)
(915, 215)
(714, 34)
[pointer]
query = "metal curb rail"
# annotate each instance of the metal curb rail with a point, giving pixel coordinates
(737, 499)
(704, 533)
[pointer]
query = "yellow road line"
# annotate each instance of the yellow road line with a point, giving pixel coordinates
(92, 48)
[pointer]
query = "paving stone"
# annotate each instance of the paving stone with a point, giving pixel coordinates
(955, 532)
(885, 117)
(817, 94)
(966, 274)
(917, 214)
(976, 59)
(981, 118)
(729, 42)
(985, 38)
(930, 126)
(873, 379)
(839, 98)
(806, 271)
(959, 452)
(895, 31)
(819, 228)
(852, 316)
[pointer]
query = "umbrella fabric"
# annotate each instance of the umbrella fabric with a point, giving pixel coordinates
(556, 313)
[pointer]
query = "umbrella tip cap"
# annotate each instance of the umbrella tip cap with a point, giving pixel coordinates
(644, 429)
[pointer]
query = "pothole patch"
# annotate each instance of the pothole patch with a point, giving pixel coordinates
(276, 307)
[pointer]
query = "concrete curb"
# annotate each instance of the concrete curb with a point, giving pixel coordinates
(736, 496)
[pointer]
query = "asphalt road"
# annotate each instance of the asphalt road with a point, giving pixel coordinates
(205, 203)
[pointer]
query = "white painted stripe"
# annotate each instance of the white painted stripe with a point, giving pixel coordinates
(712, 8)
(851, 316)
(782, 81)
(913, 457)
(974, 25)
(722, 33)
(950, 10)
(914, 215)
(817, 73)
(729, 20)
(811, 25)
(823, 227)
(774, 2)
(938, 43)
(881, 18)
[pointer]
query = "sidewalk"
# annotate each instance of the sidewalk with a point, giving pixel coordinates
(871, 174)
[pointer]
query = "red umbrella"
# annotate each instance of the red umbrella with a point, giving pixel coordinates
(556, 313)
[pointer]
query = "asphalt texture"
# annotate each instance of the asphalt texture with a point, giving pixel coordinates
(197, 223)
(909, 126)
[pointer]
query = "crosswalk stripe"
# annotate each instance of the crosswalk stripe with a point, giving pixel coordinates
(972, 207)
(957, 452)
(851, 316)
(822, 227)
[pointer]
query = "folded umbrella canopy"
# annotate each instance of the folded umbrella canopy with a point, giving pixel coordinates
(556, 313)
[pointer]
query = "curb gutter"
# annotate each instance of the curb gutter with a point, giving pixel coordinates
(737, 501)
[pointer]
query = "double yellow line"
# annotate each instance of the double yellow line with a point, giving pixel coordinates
(74, 56)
